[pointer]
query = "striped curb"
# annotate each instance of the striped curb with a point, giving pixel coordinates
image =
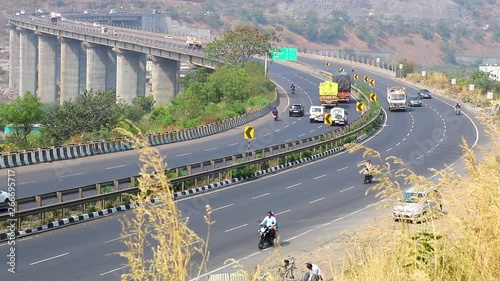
(176, 195)
(47, 155)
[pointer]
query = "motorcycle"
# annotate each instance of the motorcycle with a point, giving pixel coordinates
(367, 177)
(275, 117)
(458, 111)
(293, 90)
(265, 236)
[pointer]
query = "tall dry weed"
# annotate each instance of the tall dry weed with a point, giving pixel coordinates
(460, 244)
(162, 245)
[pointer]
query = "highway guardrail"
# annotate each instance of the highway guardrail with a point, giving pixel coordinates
(266, 160)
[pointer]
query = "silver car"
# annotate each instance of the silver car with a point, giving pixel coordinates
(417, 205)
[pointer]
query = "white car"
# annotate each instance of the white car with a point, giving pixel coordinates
(339, 116)
(417, 205)
(316, 113)
(4, 197)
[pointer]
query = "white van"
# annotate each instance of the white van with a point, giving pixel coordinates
(316, 113)
(339, 116)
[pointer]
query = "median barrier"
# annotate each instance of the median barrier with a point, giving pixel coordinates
(80, 203)
(321, 146)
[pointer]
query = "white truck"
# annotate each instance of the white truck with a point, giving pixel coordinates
(396, 98)
(192, 42)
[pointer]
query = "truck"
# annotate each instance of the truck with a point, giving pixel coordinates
(191, 42)
(396, 98)
(328, 93)
(55, 17)
(343, 79)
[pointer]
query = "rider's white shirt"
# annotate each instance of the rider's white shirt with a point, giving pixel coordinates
(268, 221)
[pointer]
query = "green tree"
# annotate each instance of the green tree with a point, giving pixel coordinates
(22, 114)
(333, 32)
(146, 103)
(240, 45)
(495, 30)
(229, 84)
(443, 29)
(94, 111)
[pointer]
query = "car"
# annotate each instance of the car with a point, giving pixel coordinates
(316, 113)
(96, 23)
(417, 205)
(296, 110)
(4, 196)
(424, 94)
(339, 116)
(414, 101)
(168, 36)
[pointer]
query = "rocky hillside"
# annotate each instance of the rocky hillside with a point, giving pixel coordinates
(428, 32)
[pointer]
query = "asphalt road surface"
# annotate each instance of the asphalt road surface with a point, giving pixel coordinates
(304, 198)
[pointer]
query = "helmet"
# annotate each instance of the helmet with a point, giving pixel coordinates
(369, 161)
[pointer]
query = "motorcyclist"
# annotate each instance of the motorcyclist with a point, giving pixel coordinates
(458, 108)
(270, 221)
(292, 88)
(275, 112)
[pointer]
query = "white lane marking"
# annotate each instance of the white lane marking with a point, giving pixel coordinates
(213, 148)
(341, 169)
(294, 122)
(265, 135)
(289, 140)
(28, 182)
(281, 213)
(419, 157)
(48, 259)
(320, 126)
(184, 154)
(408, 134)
(311, 131)
(116, 167)
(302, 135)
(121, 237)
(277, 130)
(294, 185)
(116, 269)
(232, 144)
(223, 207)
(347, 189)
(287, 126)
(317, 200)
(318, 177)
(77, 174)
(397, 144)
(404, 139)
(387, 150)
(299, 119)
(262, 195)
(234, 228)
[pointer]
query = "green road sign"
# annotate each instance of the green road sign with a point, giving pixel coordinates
(284, 54)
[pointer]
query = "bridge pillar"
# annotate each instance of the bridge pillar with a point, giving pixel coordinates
(70, 68)
(130, 74)
(14, 57)
(165, 78)
(97, 57)
(111, 70)
(47, 68)
(28, 62)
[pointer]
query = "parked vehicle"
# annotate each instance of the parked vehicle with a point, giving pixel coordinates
(296, 110)
(339, 116)
(414, 101)
(328, 93)
(316, 113)
(396, 98)
(417, 204)
(4, 196)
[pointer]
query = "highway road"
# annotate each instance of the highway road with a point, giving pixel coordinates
(48, 177)
(304, 198)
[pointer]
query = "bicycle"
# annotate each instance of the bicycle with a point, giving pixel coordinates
(289, 271)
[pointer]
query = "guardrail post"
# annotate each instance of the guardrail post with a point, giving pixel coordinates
(38, 200)
(98, 188)
(133, 182)
(201, 167)
(189, 169)
(59, 196)
(116, 184)
(80, 193)
(212, 163)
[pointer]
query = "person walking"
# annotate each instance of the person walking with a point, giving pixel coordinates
(314, 273)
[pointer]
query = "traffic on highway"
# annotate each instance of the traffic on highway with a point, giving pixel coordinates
(310, 204)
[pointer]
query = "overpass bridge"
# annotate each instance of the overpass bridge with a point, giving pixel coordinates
(58, 61)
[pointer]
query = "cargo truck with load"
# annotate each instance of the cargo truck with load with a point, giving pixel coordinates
(343, 79)
(396, 98)
(328, 93)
